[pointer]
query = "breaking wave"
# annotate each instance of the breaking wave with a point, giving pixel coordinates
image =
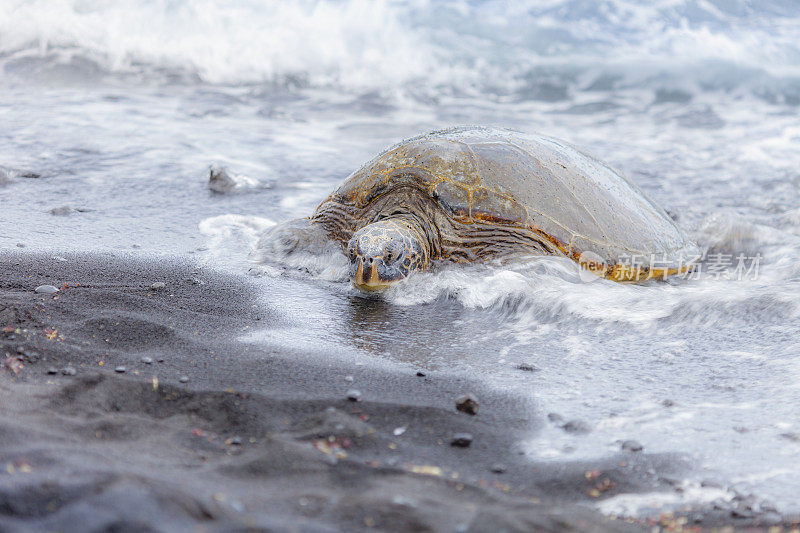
(530, 50)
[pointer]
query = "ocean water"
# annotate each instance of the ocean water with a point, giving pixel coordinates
(112, 115)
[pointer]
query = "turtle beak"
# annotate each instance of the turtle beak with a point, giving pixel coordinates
(366, 275)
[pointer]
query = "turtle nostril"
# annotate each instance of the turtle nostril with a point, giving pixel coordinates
(370, 260)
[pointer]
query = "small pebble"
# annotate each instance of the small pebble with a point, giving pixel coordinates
(68, 371)
(20, 349)
(467, 403)
(349, 379)
(147, 360)
(399, 431)
(525, 367)
(46, 289)
(20, 245)
(120, 369)
(353, 395)
(668, 403)
(52, 370)
(236, 441)
(461, 440)
(160, 359)
(158, 285)
(184, 379)
(498, 468)
(420, 374)
(632, 446)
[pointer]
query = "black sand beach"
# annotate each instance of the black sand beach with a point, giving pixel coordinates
(102, 431)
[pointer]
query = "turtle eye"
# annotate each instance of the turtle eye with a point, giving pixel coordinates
(392, 252)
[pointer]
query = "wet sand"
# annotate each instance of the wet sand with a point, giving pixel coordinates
(158, 418)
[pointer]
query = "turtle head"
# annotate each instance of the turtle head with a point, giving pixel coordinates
(386, 251)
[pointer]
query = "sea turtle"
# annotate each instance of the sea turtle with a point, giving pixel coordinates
(471, 194)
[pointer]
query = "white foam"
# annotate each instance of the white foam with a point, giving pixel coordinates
(386, 44)
(233, 236)
(350, 42)
(638, 504)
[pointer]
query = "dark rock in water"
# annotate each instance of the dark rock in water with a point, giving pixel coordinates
(720, 505)
(555, 417)
(668, 403)
(46, 289)
(525, 367)
(184, 379)
(577, 427)
(120, 369)
(219, 180)
(420, 374)
(52, 370)
(467, 403)
(29, 174)
(354, 395)
(498, 468)
(794, 437)
(69, 371)
(632, 446)
(742, 513)
(158, 285)
(461, 440)
(20, 245)
(62, 211)
(147, 360)
(222, 181)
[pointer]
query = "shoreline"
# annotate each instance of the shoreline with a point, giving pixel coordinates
(156, 416)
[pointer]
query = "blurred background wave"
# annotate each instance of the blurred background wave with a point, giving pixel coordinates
(540, 50)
